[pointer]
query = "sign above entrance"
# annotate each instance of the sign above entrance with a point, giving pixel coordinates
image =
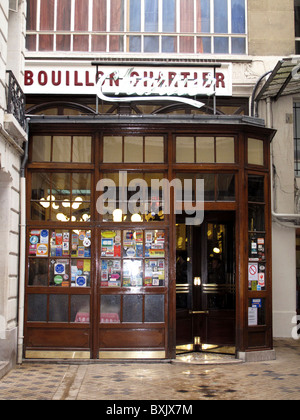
(128, 83)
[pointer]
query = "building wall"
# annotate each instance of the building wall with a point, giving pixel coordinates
(271, 27)
(12, 136)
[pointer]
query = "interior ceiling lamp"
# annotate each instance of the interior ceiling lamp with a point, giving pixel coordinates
(117, 215)
(136, 218)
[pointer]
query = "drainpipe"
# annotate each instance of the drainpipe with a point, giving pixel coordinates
(22, 249)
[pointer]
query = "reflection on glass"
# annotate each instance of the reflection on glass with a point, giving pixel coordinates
(80, 308)
(110, 307)
(225, 150)
(61, 149)
(82, 149)
(255, 151)
(132, 273)
(112, 149)
(133, 149)
(256, 217)
(132, 308)
(256, 188)
(58, 308)
(37, 308)
(38, 272)
(185, 150)
(154, 308)
(226, 187)
(41, 148)
(205, 150)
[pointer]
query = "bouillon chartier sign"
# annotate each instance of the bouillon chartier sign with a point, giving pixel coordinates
(124, 83)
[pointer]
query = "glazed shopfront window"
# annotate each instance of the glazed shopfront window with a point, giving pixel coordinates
(137, 26)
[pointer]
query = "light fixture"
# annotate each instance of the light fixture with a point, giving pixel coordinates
(44, 203)
(62, 217)
(117, 215)
(136, 218)
(216, 250)
(66, 203)
(78, 203)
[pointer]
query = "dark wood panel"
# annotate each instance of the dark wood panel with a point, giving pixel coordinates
(125, 338)
(58, 338)
(220, 327)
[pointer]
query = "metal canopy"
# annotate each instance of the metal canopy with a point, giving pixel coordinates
(283, 81)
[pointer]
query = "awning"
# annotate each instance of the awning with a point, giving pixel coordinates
(283, 81)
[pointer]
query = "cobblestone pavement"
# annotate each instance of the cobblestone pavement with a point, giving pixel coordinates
(277, 379)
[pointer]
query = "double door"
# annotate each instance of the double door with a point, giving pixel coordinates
(205, 284)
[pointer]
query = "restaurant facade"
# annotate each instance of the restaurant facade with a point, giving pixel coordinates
(148, 205)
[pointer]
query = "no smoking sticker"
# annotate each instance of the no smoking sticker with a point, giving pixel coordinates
(253, 272)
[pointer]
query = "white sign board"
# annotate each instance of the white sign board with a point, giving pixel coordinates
(127, 83)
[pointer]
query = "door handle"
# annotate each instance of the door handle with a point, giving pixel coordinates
(198, 312)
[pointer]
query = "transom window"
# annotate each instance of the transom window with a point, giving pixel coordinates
(147, 26)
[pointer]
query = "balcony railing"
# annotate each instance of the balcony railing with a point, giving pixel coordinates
(16, 100)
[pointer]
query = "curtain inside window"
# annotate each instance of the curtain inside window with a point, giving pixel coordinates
(151, 15)
(99, 15)
(63, 15)
(187, 25)
(47, 15)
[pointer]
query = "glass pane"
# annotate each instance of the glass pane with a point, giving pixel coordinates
(205, 149)
(37, 308)
(82, 149)
(154, 272)
(154, 244)
(39, 243)
(132, 273)
(238, 25)
(256, 217)
(226, 187)
(185, 150)
(111, 243)
(81, 187)
(58, 308)
(151, 15)
(169, 44)
(151, 44)
(204, 23)
(117, 15)
(238, 45)
(204, 44)
(255, 151)
(187, 16)
(154, 149)
(209, 186)
(81, 272)
(80, 309)
(61, 149)
(133, 149)
(221, 45)
(40, 186)
(135, 16)
(133, 243)
(116, 43)
(132, 308)
(187, 44)
(38, 272)
(59, 273)
(112, 149)
(60, 243)
(61, 186)
(135, 44)
(256, 188)
(225, 150)
(220, 16)
(111, 273)
(81, 244)
(154, 308)
(169, 16)
(41, 148)
(110, 308)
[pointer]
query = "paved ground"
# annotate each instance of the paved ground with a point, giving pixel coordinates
(112, 382)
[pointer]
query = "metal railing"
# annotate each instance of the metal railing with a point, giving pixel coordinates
(16, 100)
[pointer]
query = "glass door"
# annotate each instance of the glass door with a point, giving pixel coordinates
(205, 285)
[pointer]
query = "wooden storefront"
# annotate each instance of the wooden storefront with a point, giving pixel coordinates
(101, 288)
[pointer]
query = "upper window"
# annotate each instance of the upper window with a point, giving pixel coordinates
(137, 26)
(297, 137)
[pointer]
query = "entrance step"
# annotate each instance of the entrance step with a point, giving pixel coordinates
(201, 358)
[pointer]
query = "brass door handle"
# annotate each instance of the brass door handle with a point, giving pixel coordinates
(198, 312)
